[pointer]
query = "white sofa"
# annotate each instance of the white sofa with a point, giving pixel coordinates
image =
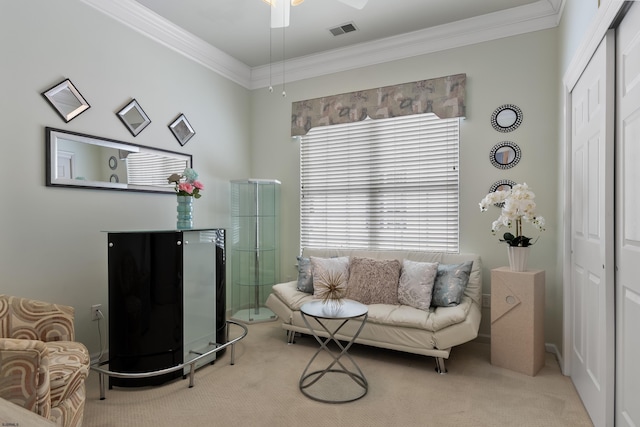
(400, 327)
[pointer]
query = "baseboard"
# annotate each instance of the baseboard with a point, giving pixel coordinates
(549, 347)
(552, 348)
(483, 338)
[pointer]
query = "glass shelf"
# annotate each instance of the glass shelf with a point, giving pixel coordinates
(255, 247)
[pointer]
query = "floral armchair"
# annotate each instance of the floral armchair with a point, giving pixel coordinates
(41, 367)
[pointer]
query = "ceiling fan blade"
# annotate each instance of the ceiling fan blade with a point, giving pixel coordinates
(358, 4)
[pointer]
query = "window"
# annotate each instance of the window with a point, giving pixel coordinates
(151, 169)
(381, 184)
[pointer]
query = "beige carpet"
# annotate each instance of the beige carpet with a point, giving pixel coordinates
(261, 389)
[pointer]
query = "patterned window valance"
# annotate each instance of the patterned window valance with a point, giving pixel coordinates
(444, 96)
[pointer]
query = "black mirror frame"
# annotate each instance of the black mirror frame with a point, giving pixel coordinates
(513, 126)
(51, 135)
(135, 130)
(494, 152)
(181, 129)
(50, 96)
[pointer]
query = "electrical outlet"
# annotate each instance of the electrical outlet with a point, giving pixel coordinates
(486, 300)
(95, 312)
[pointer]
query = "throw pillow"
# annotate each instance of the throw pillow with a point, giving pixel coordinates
(305, 276)
(373, 281)
(416, 283)
(329, 271)
(450, 284)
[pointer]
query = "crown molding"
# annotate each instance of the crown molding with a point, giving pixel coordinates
(134, 15)
(534, 17)
(540, 15)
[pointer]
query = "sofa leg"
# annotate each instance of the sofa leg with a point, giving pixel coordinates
(440, 368)
(291, 335)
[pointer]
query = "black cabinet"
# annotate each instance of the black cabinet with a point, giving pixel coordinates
(166, 300)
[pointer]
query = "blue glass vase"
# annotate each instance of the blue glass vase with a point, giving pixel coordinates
(185, 212)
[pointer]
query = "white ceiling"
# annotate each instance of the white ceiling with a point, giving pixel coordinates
(234, 36)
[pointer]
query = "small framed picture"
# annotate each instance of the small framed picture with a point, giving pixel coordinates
(181, 129)
(134, 117)
(66, 100)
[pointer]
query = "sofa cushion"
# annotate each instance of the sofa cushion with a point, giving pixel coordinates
(329, 270)
(450, 284)
(416, 283)
(305, 276)
(435, 319)
(289, 294)
(373, 281)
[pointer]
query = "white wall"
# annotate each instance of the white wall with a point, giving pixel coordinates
(520, 70)
(576, 18)
(52, 246)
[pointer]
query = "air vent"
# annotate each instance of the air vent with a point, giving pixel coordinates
(343, 29)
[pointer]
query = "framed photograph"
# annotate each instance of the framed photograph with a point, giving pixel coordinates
(181, 129)
(134, 117)
(66, 100)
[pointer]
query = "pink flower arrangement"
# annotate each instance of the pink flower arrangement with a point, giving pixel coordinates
(187, 184)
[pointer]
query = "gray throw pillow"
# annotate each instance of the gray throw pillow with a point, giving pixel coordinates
(451, 281)
(416, 283)
(373, 281)
(305, 275)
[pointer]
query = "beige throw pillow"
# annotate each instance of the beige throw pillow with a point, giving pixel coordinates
(416, 283)
(328, 271)
(373, 281)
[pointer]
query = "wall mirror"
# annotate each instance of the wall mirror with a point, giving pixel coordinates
(506, 118)
(181, 129)
(66, 100)
(134, 117)
(86, 161)
(502, 185)
(505, 155)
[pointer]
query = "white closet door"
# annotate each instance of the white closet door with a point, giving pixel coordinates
(628, 219)
(592, 263)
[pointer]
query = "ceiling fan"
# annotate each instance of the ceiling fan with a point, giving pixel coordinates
(280, 9)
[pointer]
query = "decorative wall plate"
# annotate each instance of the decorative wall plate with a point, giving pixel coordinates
(502, 185)
(505, 155)
(506, 118)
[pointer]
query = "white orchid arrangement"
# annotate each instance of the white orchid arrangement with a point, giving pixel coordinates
(519, 206)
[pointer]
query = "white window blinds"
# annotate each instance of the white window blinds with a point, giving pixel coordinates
(381, 184)
(151, 169)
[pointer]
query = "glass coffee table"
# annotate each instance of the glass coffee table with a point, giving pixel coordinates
(335, 383)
